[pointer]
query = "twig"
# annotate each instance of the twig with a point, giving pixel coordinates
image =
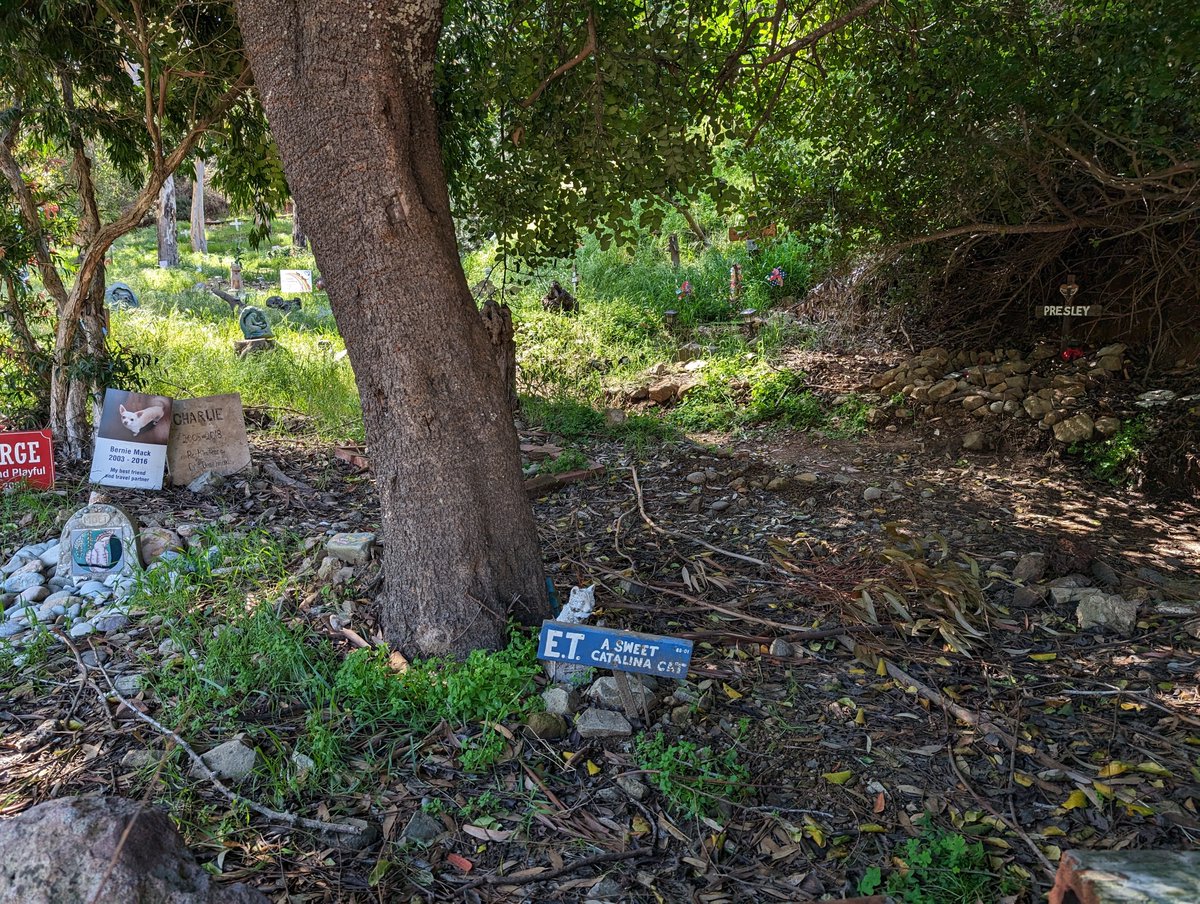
(611, 857)
(313, 825)
(589, 47)
(679, 535)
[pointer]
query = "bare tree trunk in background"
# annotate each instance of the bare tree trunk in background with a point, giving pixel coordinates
(198, 236)
(299, 239)
(673, 248)
(354, 119)
(168, 234)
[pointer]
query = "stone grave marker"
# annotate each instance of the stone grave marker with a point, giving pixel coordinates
(207, 434)
(621, 652)
(98, 541)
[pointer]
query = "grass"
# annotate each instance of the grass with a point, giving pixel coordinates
(26, 513)
(242, 664)
(1113, 459)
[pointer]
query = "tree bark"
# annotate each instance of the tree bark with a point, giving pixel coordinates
(350, 102)
(299, 239)
(198, 236)
(497, 320)
(168, 234)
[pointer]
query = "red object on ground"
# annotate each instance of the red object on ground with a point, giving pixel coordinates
(27, 457)
(1070, 354)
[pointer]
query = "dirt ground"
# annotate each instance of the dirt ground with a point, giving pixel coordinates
(849, 731)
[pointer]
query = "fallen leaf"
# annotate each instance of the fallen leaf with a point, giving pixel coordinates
(838, 778)
(460, 861)
(731, 693)
(1076, 799)
(488, 834)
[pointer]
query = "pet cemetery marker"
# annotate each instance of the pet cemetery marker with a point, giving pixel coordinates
(295, 281)
(621, 652)
(27, 457)
(207, 434)
(131, 440)
(1068, 309)
(98, 541)
(257, 330)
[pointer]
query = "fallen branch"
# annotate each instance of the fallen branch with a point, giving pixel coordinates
(290, 819)
(611, 857)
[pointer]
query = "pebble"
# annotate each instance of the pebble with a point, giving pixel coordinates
(696, 477)
(23, 581)
(870, 494)
(602, 723)
(781, 648)
(33, 594)
(82, 629)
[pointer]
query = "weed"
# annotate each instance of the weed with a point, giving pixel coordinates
(939, 868)
(1112, 459)
(26, 512)
(569, 460)
(693, 779)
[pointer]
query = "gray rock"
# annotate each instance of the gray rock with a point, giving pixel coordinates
(205, 482)
(1030, 567)
(108, 621)
(23, 581)
(60, 597)
(93, 588)
(81, 629)
(1028, 597)
(423, 828)
(1104, 574)
(232, 760)
(12, 628)
(781, 648)
(353, 549)
(602, 723)
(79, 849)
(561, 701)
(696, 477)
(154, 542)
(870, 494)
(607, 889)
(169, 647)
(632, 786)
(1107, 426)
(137, 759)
(974, 441)
(33, 594)
(49, 556)
(604, 692)
(128, 685)
(1106, 611)
(1075, 429)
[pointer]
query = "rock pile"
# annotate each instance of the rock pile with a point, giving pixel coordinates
(1004, 382)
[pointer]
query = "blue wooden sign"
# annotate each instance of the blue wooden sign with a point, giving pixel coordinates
(621, 651)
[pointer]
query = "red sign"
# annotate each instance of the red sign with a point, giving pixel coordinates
(27, 458)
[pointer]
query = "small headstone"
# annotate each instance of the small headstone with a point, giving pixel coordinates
(208, 435)
(131, 440)
(119, 295)
(27, 457)
(353, 549)
(98, 541)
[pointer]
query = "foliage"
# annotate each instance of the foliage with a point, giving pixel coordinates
(569, 460)
(1111, 459)
(693, 779)
(939, 867)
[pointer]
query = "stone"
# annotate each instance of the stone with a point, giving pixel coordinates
(696, 477)
(1037, 407)
(604, 692)
(1106, 611)
(546, 726)
(775, 484)
(602, 723)
(1028, 597)
(1105, 574)
(353, 549)
(22, 581)
(208, 434)
(1075, 429)
(205, 482)
(941, 390)
(809, 477)
(232, 760)
(49, 556)
(81, 629)
(108, 622)
(97, 541)
(974, 441)
(632, 786)
(128, 685)
(137, 759)
(1124, 877)
(665, 390)
(1030, 567)
(561, 701)
(155, 542)
(33, 594)
(78, 849)
(871, 494)
(423, 828)
(781, 648)
(1111, 363)
(614, 417)
(1107, 426)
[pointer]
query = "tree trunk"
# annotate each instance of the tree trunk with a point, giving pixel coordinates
(199, 239)
(299, 239)
(350, 102)
(497, 320)
(673, 248)
(168, 234)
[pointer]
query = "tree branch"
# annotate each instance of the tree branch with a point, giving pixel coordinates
(828, 28)
(589, 47)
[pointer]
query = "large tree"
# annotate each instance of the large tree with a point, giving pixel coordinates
(349, 89)
(144, 79)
